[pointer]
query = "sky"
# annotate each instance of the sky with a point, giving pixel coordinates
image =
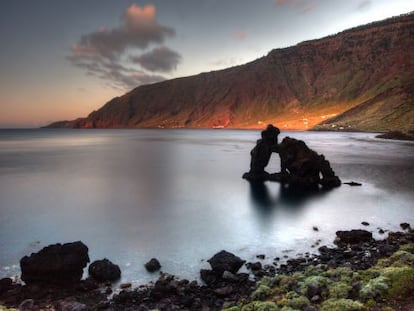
(62, 59)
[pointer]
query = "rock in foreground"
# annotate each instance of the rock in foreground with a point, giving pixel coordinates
(104, 271)
(55, 264)
(225, 261)
(354, 236)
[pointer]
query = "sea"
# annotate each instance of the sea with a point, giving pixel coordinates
(178, 195)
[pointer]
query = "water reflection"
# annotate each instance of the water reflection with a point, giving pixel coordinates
(287, 196)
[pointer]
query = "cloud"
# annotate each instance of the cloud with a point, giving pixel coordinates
(138, 29)
(240, 35)
(159, 59)
(115, 74)
(303, 6)
(364, 5)
(103, 53)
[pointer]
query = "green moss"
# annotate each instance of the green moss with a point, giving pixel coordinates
(298, 302)
(398, 259)
(260, 306)
(231, 309)
(286, 308)
(374, 288)
(3, 308)
(408, 248)
(316, 280)
(339, 290)
(261, 292)
(341, 305)
(270, 281)
(312, 270)
(339, 274)
(400, 281)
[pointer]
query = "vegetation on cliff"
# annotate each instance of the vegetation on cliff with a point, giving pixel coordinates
(359, 79)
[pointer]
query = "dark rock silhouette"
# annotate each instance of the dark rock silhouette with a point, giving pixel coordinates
(352, 184)
(354, 236)
(225, 261)
(153, 265)
(397, 135)
(55, 264)
(104, 271)
(301, 167)
(261, 154)
(5, 285)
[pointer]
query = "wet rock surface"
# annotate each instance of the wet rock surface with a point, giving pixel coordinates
(353, 236)
(104, 271)
(57, 264)
(225, 261)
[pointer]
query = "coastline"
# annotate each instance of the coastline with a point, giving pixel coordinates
(353, 255)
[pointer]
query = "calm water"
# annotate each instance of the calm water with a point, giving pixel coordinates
(178, 195)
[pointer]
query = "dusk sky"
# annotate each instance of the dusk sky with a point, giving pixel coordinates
(61, 59)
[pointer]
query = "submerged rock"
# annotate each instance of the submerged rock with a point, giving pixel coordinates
(153, 265)
(104, 271)
(55, 264)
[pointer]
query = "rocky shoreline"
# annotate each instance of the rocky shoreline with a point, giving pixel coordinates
(264, 288)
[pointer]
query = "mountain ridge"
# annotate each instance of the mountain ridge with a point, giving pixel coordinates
(314, 84)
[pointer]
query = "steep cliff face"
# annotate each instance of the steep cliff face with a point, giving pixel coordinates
(362, 78)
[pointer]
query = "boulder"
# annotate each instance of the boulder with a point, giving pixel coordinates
(153, 265)
(354, 236)
(55, 264)
(5, 285)
(104, 271)
(208, 276)
(225, 261)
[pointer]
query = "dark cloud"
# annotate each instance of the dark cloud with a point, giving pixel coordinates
(159, 59)
(100, 53)
(115, 74)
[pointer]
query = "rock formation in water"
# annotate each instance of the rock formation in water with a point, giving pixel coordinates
(55, 264)
(301, 167)
(359, 79)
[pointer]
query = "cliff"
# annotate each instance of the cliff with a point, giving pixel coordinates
(359, 79)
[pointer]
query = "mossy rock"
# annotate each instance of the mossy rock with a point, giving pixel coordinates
(339, 290)
(3, 308)
(315, 280)
(400, 281)
(407, 247)
(341, 305)
(261, 292)
(298, 302)
(260, 306)
(375, 288)
(313, 270)
(235, 308)
(338, 274)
